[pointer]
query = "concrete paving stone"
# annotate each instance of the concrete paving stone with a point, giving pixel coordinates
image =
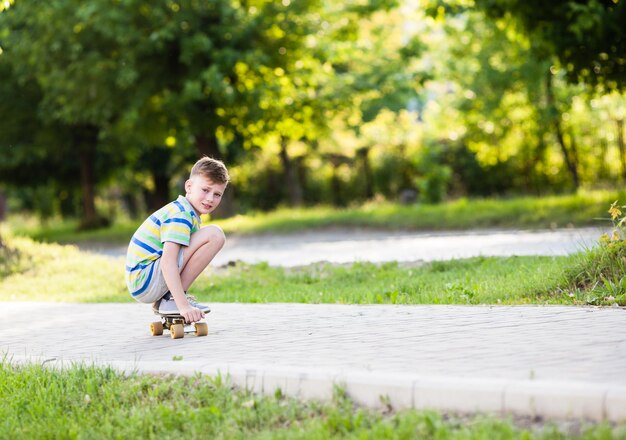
(481, 355)
(318, 386)
(556, 399)
(615, 404)
(379, 391)
(459, 394)
(276, 380)
(254, 380)
(289, 380)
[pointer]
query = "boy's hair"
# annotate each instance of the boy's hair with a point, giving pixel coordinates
(211, 169)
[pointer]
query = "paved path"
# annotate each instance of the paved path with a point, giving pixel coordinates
(350, 245)
(560, 362)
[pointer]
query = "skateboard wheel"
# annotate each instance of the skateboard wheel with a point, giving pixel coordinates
(156, 328)
(202, 328)
(177, 331)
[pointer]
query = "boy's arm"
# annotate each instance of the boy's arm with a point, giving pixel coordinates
(171, 274)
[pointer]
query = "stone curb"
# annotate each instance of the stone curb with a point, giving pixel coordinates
(548, 399)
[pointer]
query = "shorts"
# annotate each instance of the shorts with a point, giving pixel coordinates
(157, 287)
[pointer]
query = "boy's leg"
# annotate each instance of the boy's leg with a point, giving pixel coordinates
(203, 247)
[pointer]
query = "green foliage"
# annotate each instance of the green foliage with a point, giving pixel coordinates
(509, 121)
(307, 102)
(46, 180)
(599, 277)
(91, 402)
(147, 88)
(434, 175)
(587, 37)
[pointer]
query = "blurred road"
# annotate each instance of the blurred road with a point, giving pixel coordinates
(346, 246)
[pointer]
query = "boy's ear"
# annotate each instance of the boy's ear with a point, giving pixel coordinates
(188, 184)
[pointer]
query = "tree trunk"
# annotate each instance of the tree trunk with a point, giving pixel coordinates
(555, 117)
(156, 160)
(290, 175)
(3, 213)
(538, 158)
(160, 196)
(302, 175)
(161, 189)
(131, 205)
(363, 154)
(574, 156)
(207, 145)
(527, 167)
(87, 184)
(335, 183)
(85, 140)
(622, 148)
(603, 169)
(3, 206)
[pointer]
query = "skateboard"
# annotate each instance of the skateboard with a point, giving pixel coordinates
(177, 327)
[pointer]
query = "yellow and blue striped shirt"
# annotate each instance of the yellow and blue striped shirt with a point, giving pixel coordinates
(175, 222)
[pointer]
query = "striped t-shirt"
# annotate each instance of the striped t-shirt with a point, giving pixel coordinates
(175, 222)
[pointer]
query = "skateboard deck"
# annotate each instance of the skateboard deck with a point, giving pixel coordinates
(175, 324)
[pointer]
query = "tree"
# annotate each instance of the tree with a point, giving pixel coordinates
(587, 36)
(72, 55)
(163, 72)
(36, 156)
(342, 66)
(376, 71)
(140, 89)
(515, 108)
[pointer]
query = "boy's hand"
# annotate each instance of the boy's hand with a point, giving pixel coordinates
(191, 314)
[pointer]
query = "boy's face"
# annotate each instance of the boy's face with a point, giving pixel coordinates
(203, 194)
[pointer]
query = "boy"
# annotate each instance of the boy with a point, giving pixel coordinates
(169, 250)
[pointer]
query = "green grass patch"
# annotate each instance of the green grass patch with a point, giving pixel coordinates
(66, 230)
(481, 280)
(52, 272)
(31, 271)
(581, 209)
(88, 402)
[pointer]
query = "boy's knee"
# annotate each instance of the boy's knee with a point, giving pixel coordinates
(214, 234)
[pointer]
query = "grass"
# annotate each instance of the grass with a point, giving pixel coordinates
(66, 231)
(51, 272)
(515, 280)
(31, 271)
(89, 402)
(601, 278)
(583, 208)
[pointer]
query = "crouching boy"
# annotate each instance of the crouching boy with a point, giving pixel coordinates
(169, 250)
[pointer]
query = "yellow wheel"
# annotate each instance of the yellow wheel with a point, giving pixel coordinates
(177, 331)
(156, 328)
(202, 329)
